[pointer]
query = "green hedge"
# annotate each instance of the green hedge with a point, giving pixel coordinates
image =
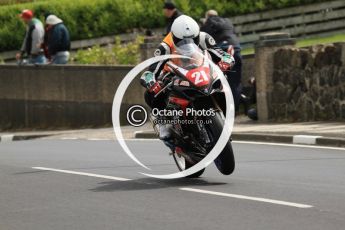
(95, 18)
(123, 54)
(11, 2)
(84, 18)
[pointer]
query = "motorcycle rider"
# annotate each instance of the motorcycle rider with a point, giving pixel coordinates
(184, 27)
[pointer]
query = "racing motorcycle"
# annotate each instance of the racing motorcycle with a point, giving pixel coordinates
(191, 83)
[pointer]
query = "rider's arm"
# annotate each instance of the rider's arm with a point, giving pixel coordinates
(208, 43)
(148, 79)
(157, 67)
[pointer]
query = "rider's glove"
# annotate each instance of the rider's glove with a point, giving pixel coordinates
(148, 80)
(156, 87)
(227, 62)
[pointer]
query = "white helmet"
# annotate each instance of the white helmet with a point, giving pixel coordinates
(53, 20)
(185, 27)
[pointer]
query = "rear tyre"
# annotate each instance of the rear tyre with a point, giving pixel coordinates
(182, 165)
(225, 162)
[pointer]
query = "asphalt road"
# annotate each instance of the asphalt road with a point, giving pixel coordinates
(273, 187)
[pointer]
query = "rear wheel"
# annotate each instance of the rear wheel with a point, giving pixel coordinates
(183, 164)
(225, 162)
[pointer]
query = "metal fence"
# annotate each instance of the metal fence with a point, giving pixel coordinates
(301, 21)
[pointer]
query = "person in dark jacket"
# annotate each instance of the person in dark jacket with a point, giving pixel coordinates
(222, 30)
(46, 14)
(57, 41)
(171, 13)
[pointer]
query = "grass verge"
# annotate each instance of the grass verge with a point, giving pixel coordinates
(308, 42)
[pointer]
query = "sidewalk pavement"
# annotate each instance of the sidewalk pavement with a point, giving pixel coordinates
(320, 133)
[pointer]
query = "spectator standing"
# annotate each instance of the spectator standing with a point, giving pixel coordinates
(32, 44)
(57, 40)
(44, 46)
(222, 30)
(171, 13)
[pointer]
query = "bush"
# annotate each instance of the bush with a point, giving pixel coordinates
(11, 2)
(128, 53)
(95, 55)
(123, 54)
(84, 18)
(95, 18)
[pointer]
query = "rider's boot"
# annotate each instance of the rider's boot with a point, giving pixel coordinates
(163, 131)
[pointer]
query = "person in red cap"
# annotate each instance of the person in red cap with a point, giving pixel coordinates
(32, 44)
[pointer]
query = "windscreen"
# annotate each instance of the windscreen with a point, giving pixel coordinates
(193, 56)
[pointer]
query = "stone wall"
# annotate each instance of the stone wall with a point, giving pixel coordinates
(265, 49)
(50, 97)
(248, 68)
(70, 96)
(292, 85)
(308, 84)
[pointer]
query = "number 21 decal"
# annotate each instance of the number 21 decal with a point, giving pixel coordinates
(199, 77)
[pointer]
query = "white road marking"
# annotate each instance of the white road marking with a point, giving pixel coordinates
(304, 139)
(86, 139)
(259, 199)
(279, 202)
(289, 145)
(99, 139)
(240, 142)
(7, 138)
(82, 173)
(259, 143)
(140, 131)
(142, 139)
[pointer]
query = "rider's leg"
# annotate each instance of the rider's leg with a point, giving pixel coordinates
(162, 128)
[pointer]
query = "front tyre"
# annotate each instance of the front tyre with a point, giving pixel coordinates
(183, 164)
(225, 162)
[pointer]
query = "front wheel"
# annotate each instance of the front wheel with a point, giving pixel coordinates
(183, 164)
(225, 162)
